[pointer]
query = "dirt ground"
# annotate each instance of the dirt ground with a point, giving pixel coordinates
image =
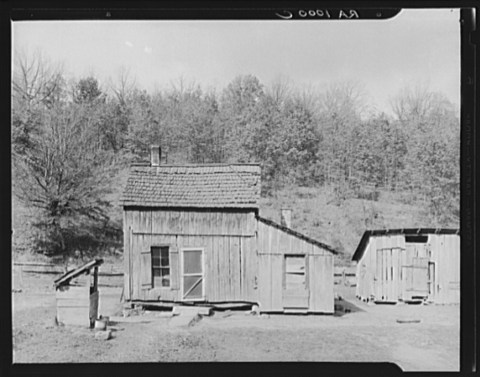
(365, 333)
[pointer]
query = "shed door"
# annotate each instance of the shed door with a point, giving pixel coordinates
(192, 274)
(295, 287)
(416, 278)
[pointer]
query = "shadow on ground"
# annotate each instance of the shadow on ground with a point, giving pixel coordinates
(343, 307)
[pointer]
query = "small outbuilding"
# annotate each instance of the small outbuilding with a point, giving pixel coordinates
(77, 295)
(409, 264)
(193, 235)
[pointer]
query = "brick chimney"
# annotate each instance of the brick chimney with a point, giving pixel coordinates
(286, 217)
(155, 155)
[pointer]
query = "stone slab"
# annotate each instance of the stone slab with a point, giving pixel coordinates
(179, 309)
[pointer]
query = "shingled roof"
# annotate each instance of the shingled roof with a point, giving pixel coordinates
(199, 186)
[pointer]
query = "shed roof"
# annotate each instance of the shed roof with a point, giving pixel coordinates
(297, 234)
(200, 186)
(65, 279)
(409, 231)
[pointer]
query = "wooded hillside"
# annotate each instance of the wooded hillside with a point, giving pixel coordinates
(72, 139)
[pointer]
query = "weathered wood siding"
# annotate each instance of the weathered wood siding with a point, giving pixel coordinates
(76, 306)
(228, 241)
(273, 245)
(445, 254)
(385, 272)
(379, 272)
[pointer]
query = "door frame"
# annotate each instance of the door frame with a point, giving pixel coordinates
(290, 300)
(182, 275)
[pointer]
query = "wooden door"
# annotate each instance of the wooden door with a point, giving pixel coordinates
(431, 280)
(295, 282)
(379, 277)
(192, 269)
(416, 279)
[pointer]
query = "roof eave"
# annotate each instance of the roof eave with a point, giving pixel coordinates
(298, 234)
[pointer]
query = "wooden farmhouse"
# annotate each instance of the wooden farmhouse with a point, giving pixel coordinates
(193, 235)
(409, 264)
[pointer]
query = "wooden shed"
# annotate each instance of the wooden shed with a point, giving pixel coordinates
(77, 295)
(193, 235)
(409, 264)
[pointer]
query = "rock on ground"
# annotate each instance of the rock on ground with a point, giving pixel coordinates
(103, 335)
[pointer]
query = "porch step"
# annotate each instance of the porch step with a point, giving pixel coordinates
(191, 310)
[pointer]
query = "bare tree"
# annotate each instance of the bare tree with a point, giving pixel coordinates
(64, 175)
(414, 102)
(37, 85)
(35, 80)
(123, 86)
(279, 89)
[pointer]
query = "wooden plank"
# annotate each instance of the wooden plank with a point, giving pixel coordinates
(401, 253)
(314, 278)
(218, 275)
(440, 251)
(235, 267)
(383, 264)
(276, 259)
(159, 221)
(161, 294)
(433, 269)
(207, 249)
(227, 270)
(250, 224)
(134, 253)
(372, 270)
(144, 224)
(379, 278)
(222, 276)
(453, 255)
(74, 316)
(264, 283)
(226, 267)
(254, 266)
(137, 246)
(293, 300)
(71, 292)
(84, 302)
(250, 275)
(378, 274)
(393, 297)
(146, 268)
(241, 273)
(277, 282)
(328, 284)
(386, 269)
(231, 266)
(264, 279)
(127, 254)
(93, 311)
(172, 222)
(213, 268)
(322, 284)
(395, 269)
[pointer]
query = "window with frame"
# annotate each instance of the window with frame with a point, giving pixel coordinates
(161, 266)
(295, 272)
